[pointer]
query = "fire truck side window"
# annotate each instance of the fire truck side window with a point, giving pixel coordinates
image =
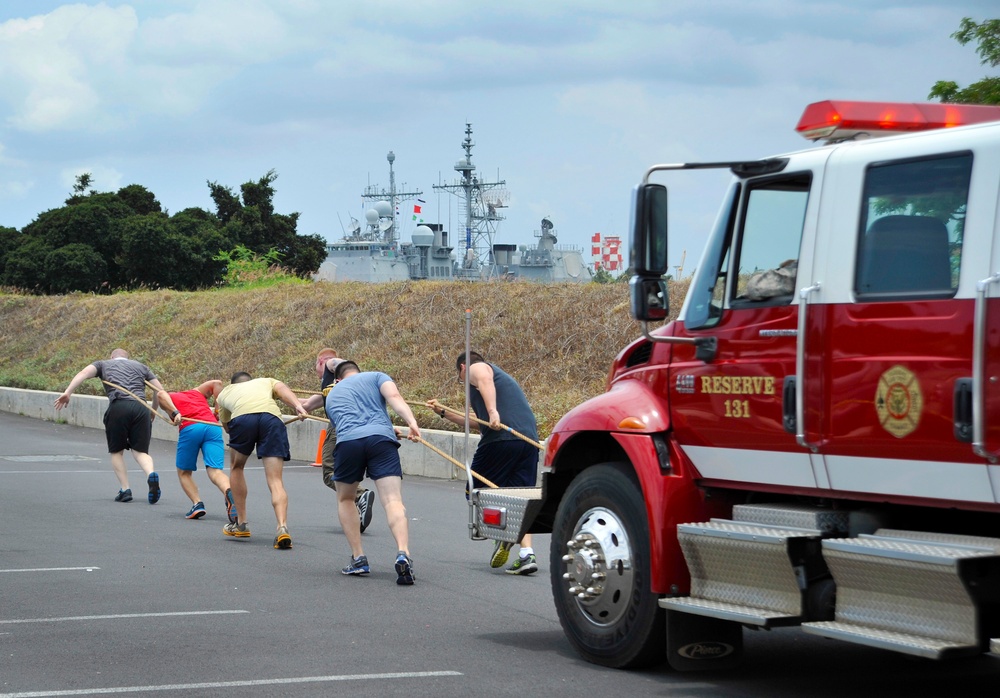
(773, 220)
(912, 220)
(704, 301)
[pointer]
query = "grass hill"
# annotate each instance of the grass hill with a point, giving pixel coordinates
(557, 340)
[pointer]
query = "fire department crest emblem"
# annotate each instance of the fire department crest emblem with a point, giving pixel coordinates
(898, 401)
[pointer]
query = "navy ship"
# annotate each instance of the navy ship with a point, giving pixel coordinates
(374, 250)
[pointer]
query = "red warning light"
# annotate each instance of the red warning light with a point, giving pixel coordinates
(844, 119)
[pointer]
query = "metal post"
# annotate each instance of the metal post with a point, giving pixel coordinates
(468, 351)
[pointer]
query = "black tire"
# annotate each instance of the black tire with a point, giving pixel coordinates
(617, 622)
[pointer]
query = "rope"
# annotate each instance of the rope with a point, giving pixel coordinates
(141, 400)
(447, 457)
(476, 419)
(183, 418)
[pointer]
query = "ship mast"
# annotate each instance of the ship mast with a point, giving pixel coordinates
(383, 227)
(479, 203)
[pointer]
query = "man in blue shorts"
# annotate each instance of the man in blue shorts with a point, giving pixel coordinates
(198, 436)
(501, 457)
(127, 422)
(368, 443)
(252, 419)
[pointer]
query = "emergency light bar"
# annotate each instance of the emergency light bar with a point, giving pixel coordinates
(840, 120)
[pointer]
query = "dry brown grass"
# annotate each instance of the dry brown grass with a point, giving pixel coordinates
(557, 340)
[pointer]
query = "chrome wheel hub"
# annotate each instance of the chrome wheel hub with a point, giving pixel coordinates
(599, 569)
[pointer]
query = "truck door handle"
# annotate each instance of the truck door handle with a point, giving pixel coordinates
(963, 410)
(788, 405)
(800, 368)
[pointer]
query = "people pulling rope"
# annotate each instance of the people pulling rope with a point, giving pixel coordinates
(218, 424)
(441, 409)
(449, 458)
(142, 401)
(183, 418)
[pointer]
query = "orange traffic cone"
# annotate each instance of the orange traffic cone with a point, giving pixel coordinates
(319, 450)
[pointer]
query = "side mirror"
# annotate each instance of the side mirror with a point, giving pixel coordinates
(649, 230)
(649, 298)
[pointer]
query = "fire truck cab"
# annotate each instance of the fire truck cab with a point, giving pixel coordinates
(814, 440)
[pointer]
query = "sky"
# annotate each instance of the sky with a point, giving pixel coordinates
(569, 102)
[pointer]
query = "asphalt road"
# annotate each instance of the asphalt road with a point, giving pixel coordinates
(99, 597)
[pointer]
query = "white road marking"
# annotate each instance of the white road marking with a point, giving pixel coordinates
(232, 684)
(120, 615)
(104, 470)
(54, 569)
(53, 472)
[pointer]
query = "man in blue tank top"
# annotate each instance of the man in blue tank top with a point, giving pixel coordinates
(501, 457)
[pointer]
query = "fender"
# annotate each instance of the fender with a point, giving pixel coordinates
(671, 497)
(631, 399)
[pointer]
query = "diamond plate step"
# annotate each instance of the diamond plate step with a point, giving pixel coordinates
(752, 573)
(516, 504)
(793, 515)
(918, 593)
(747, 615)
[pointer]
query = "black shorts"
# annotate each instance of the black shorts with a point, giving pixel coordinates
(127, 425)
(376, 455)
(260, 429)
(507, 463)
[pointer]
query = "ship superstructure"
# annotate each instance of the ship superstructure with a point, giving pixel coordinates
(479, 215)
(374, 251)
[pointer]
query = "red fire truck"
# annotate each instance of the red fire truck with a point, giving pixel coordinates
(814, 440)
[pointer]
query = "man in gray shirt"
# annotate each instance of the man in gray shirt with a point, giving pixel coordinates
(127, 422)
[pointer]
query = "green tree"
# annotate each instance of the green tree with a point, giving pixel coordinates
(25, 268)
(139, 199)
(91, 220)
(148, 253)
(246, 268)
(9, 239)
(986, 34)
(83, 184)
(74, 267)
(201, 238)
(250, 220)
(603, 276)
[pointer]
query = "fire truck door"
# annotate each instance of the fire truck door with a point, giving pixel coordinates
(897, 342)
(728, 413)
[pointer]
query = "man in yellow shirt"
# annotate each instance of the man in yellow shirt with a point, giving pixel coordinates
(252, 419)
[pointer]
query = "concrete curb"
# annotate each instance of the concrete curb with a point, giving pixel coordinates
(303, 437)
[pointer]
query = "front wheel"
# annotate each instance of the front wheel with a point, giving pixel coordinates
(599, 564)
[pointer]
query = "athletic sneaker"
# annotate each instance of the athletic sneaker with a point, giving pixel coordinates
(359, 565)
(236, 530)
(123, 496)
(154, 488)
(230, 506)
(365, 503)
(404, 568)
(282, 541)
(501, 551)
(523, 565)
(197, 511)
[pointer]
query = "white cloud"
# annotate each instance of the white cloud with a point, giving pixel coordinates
(53, 62)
